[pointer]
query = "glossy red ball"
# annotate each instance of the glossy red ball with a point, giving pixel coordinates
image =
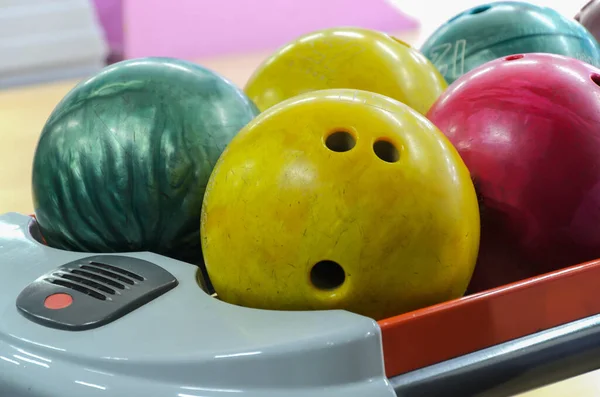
(528, 128)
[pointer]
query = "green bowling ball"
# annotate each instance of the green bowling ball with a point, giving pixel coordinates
(123, 161)
(498, 29)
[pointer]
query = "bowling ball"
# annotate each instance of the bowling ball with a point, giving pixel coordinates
(123, 160)
(490, 31)
(347, 58)
(527, 127)
(589, 17)
(340, 199)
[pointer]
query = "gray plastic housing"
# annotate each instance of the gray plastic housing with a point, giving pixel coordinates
(184, 343)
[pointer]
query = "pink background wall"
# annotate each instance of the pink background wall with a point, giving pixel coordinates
(110, 14)
(191, 29)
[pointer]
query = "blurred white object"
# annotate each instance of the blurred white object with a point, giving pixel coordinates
(46, 40)
(433, 13)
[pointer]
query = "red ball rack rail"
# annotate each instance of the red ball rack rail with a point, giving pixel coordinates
(437, 333)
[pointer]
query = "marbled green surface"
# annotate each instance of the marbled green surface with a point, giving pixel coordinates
(494, 30)
(123, 161)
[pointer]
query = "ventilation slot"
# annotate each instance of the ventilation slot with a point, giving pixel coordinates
(97, 270)
(118, 270)
(77, 287)
(96, 277)
(89, 283)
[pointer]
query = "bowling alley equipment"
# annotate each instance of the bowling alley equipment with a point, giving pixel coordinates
(362, 205)
(589, 17)
(77, 324)
(346, 57)
(123, 160)
(527, 128)
(493, 30)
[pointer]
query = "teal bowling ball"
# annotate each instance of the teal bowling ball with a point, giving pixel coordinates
(494, 30)
(123, 161)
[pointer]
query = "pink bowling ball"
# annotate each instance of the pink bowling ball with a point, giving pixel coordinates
(528, 128)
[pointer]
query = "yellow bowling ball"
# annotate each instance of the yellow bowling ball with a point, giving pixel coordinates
(340, 199)
(347, 58)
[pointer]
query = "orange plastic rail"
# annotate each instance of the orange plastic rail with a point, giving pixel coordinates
(451, 329)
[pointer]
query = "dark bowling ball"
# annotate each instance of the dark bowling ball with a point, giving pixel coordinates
(589, 17)
(123, 161)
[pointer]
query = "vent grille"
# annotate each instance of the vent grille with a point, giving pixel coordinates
(102, 279)
(118, 270)
(77, 287)
(89, 283)
(103, 287)
(96, 279)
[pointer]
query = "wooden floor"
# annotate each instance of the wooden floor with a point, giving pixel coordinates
(23, 112)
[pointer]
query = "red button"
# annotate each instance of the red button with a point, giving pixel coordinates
(58, 301)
